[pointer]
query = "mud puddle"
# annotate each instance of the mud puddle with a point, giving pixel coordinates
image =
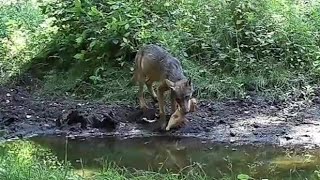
(241, 121)
(174, 154)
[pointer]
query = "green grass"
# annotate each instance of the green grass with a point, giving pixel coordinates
(22, 160)
(110, 84)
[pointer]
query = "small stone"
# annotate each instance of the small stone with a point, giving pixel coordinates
(232, 134)
(8, 94)
(246, 112)
(7, 101)
(28, 116)
(273, 108)
(206, 129)
(111, 114)
(287, 137)
(221, 121)
(9, 121)
(255, 125)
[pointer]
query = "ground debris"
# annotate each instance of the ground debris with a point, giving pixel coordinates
(246, 121)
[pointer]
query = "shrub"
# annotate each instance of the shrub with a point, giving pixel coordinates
(228, 47)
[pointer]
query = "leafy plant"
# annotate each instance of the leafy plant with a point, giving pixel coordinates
(228, 47)
(243, 177)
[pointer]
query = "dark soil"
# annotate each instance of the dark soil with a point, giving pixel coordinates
(245, 121)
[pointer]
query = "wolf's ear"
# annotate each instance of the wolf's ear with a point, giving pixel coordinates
(170, 84)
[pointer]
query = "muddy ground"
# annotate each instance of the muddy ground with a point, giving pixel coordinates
(251, 120)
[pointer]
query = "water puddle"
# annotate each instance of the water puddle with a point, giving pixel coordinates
(173, 154)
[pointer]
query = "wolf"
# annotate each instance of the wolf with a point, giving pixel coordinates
(155, 64)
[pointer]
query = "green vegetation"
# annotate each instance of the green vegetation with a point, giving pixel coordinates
(86, 48)
(23, 160)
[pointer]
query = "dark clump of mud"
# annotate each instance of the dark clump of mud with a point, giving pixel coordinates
(234, 121)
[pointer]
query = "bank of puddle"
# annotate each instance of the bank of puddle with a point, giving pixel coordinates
(163, 154)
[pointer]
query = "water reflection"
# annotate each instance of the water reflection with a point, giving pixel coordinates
(174, 154)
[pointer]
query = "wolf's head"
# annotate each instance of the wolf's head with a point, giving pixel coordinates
(182, 91)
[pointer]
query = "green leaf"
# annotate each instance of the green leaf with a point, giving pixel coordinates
(243, 177)
(239, 22)
(77, 3)
(92, 44)
(126, 26)
(185, 54)
(79, 40)
(126, 34)
(125, 40)
(95, 11)
(79, 56)
(77, 6)
(114, 7)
